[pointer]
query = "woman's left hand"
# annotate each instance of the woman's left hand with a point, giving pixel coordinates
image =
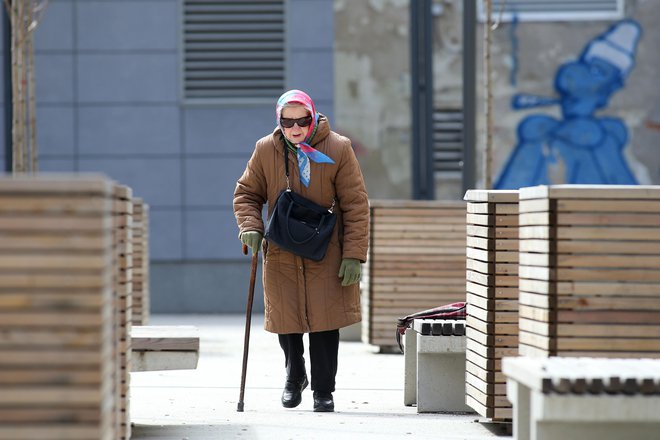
(349, 271)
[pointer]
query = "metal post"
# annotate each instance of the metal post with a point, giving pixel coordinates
(469, 93)
(421, 55)
(7, 91)
(488, 85)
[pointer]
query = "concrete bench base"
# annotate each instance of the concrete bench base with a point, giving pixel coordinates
(434, 372)
(537, 416)
(540, 413)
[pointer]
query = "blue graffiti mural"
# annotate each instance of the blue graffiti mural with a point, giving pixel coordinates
(581, 147)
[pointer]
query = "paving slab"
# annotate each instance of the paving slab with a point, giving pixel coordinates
(201, 404)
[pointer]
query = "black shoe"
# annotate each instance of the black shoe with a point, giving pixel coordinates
(323, 402)
(292, 394)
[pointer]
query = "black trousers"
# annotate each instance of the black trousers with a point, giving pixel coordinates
(323, 349)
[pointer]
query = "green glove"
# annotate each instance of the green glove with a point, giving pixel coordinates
(252, 239)
(350, 271)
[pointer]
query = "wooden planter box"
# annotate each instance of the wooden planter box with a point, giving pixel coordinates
(492, 297)
(140, 309)
(590, 271)
(57, 368)
(122, 231)
(416, 262)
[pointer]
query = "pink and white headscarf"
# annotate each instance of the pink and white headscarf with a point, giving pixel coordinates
(305, 152)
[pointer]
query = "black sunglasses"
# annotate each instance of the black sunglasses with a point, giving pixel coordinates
(302, 122)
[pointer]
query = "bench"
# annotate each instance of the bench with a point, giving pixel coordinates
(583, 398)
(159, 348)
(435, 366)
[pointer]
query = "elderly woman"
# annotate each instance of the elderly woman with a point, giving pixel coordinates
(302, 295)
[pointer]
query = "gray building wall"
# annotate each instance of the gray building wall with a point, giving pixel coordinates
(109, 99)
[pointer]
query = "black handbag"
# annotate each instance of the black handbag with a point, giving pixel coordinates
(299, 225)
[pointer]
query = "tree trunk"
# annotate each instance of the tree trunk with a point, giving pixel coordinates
(24, 16)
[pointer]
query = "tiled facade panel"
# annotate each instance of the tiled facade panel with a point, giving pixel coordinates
(133, 78)
(226, 129)
(54, 77)
(128, 25)
(129, 130)
(211, 234)
(210, 181)
(55, 134)
(56, 31)
(157, 180)
(166, 236)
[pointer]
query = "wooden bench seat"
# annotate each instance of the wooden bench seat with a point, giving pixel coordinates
(157, 348)
(583, 398)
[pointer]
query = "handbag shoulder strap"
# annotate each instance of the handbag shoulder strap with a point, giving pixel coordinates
(288, 184)
(286, 165)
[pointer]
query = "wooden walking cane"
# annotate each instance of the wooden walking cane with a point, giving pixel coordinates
(248, 316)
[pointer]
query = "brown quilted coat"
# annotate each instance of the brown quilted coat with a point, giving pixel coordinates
(302, 295)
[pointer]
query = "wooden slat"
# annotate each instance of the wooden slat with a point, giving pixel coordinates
(491, 279)
(491, 304)
(430, 241)
(587, 330)
(17, 223)
(55, 431)
(492, 208)
(492, 220)
(591, 219)
(576, 260)
(498, 269)
(27, 416)
(491, 292)
(639, 192)
(495, 328)
(590, 247)
(589, 233)
(495, 256)
(585, 303)
(494, 196)
(589, 274)
(56, 205)
(491, 244)
(491, 340)
(494, 400)
(591, 316)
(48, 185)
(604, 205)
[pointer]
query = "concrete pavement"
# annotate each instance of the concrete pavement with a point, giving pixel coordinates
(201, 404)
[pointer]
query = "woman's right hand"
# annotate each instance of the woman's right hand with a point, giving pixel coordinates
(252, 239)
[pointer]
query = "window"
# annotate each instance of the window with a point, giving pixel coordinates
(233, 49)
(555, 10)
